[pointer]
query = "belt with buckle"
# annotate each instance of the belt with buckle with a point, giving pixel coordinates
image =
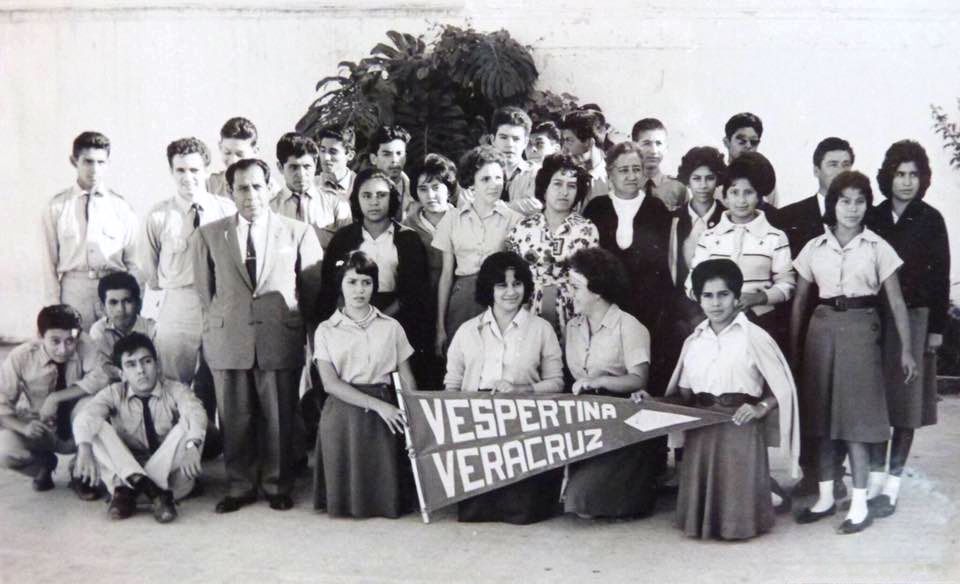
(729, 400)
(842, 303)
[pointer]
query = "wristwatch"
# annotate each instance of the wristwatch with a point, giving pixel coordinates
(193, 444)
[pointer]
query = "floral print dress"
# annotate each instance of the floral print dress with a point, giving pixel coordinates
(547, 252)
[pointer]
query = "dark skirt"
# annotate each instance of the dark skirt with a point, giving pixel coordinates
(841, 393)
(462, 304)
(914, 405)
(725, 482)
(528, 501)
(620, 483)
(365, 468)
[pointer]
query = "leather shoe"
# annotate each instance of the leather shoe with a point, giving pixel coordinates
(84, 491)
(164, 509)
(806, 515)
(230, 504)
(848, 527)
(839, 490)
(280, 502)
(43, 480)
(881, 507)
(123, 504)
(805, 486)
(786, 503)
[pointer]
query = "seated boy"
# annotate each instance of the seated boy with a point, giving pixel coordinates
(120, 296)
(544, 141)
(337, 149)
(742, 133)
(89, 230)
(579, 132)
(41, 382)
(651, 135)
(238, 140)
(388, 152)
(511, 131)
(299, 198)
(153, 440)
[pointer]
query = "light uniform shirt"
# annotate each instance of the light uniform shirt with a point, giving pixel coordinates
(687, 247)
(320, 208)
(29, 373)
(856, 269)
(620, 344)
(94, 239)
(170, 403)
(105, 336)
(526, 353)
(259, 238)
(760, 250)
(383, 251)
(362, 353)
(168, 242)
(626, 210)
(471, 238)
(672, 192)
(522, 182)
(719, 364)
(341, 188)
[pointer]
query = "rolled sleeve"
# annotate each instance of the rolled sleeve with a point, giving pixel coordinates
(636, 343)
(9, 386)
(551, 362)
(456, 362)
(888, 262)
(443, 236)
(782, 273)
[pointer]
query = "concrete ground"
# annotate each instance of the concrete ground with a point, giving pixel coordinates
(54, 537)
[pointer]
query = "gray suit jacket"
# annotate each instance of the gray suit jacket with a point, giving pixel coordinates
(247, 323)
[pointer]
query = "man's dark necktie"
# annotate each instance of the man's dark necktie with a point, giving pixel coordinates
(648, 188)
(251, 261)
(298, 197)
(64, 430)
(196, 215)
(153, 441)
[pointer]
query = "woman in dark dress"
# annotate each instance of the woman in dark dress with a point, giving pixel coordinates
(918, 234)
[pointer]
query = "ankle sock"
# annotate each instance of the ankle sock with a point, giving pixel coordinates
(875, 483)
(891, 488)
(858, 506)
(826, 497)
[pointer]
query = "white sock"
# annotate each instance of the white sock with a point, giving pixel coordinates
(892, 488)
(777, 499)
(858, 506)
(826, 497)
(875, 483)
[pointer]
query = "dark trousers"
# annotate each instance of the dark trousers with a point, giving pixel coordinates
(257, 410)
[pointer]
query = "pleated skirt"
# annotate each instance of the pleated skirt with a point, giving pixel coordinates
(621, 483)
(365, 468)
(725, 482)
(462, 305)
(841, 393)
(913, 405)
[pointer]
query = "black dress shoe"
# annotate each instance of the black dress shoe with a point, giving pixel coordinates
(881, 507)
(839, 490)
(805, 486)
(43, 480)
(84, 491)
(164, 509)
(806, 515)
(848, 527)
(280, 502)
(786, 503)
(230, 504)
(123, 504)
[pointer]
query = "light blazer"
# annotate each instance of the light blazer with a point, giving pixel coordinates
(247, 324)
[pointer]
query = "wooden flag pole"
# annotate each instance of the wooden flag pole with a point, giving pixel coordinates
(424, 513)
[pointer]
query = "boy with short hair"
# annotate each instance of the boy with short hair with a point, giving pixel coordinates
(742, 133)
(511, 132)
(41, 382)
(153, 440)
(299, 199)
(388, 152)
(337, 148)
(544, 141)
(238, 140)
(89, 231)
(121, 300)
(651, 135)
(581, 139)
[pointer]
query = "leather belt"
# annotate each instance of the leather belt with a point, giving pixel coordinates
(842, 303)
(729, 400)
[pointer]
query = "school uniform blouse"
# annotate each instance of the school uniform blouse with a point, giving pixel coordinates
(426, 230)
(365, 352)
(472, 238)
(547, 251)
(619, 344)
(760, 250)
(919, 237)
(526, 353)
(856, 269)
(721, 363)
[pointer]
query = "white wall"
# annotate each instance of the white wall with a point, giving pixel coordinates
(146, 76)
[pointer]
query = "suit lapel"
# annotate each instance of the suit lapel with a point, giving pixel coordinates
(275, 229)
(233, 248)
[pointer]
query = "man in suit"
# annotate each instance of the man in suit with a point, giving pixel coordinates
(254, 272)
(803, 221)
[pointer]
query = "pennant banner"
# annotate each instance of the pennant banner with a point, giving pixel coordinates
(463, 444)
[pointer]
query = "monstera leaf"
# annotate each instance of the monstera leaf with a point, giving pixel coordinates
(493, 64)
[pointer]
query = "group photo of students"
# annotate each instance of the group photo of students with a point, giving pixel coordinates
(549, 259)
